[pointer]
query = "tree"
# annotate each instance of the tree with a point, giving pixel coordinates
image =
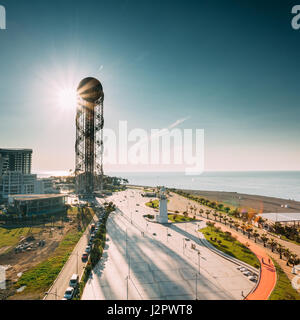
(201, 211)
(207, 212)
(236, 213)
(294, 259)
(243, 228)
(249, 230)
(280, 250)
(227, 209)
(220, 217)
(215, 215)
(225, 219)
(237, 226)
(264, 239)
(287, 253)
(220, 206)
(272, 244)
(255, 235)
(230, 222)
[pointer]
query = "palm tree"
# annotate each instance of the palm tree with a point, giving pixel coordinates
(255, 235)
(220, 216)
(207, 212)
(249, 230)
(243, 228)
(280, 250)
(230, 222)
(225, 219)
(237, 226)
(294, 259)
(201, 212)
(264, 239)
(215, 215)
(287, 253)
(272, 244)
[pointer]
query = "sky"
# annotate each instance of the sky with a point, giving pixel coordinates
(229, 67)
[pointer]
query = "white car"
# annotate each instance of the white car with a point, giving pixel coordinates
(247, 273)
(243, 269)
(69, 293)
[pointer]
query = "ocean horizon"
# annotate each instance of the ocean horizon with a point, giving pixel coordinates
(278, 184)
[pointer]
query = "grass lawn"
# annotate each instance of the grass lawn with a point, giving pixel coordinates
(179, 218)
(10, 237)
(283, 289)
(153, 204)
(230, 246)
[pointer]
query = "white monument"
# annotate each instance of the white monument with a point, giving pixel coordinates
(163, 207)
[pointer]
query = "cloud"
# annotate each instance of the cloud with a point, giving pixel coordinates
(164, 131)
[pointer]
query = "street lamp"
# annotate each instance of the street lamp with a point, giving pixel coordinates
(55, 294)
(199, 261)
(127, 287)
(126, 243)
(196, 286)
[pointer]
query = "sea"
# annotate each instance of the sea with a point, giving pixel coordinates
(278, 184)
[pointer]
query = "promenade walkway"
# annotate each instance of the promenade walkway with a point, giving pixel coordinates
(268, 277)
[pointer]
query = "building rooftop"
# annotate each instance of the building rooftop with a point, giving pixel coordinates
(28, 197)
(15, 150)
(281, 217)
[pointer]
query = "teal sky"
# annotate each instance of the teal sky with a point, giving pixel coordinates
(231, 67)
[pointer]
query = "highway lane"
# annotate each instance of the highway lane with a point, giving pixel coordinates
(159, 266)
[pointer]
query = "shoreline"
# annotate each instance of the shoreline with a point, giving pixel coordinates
(262, 204)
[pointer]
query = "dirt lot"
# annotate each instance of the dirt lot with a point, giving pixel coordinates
(18, 263)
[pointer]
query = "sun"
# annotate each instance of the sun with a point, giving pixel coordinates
(66, 98)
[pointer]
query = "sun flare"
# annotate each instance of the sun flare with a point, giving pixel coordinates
(66, 98)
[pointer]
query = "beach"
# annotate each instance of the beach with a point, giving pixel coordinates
(261, 204)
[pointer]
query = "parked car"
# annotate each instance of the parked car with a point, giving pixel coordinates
(69, 294)
(88, 249)
(74, 281)
(252, 278)
(243, 269)
(247, 273)
(84, 256)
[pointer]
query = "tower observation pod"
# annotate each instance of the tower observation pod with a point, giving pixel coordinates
(89, 137)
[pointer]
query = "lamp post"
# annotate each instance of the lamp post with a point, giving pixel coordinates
(196, 286)
(55, 294)
(126, 287)
(199, 261)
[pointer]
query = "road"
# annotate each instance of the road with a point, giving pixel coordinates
(73, 265)
(161, 266)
